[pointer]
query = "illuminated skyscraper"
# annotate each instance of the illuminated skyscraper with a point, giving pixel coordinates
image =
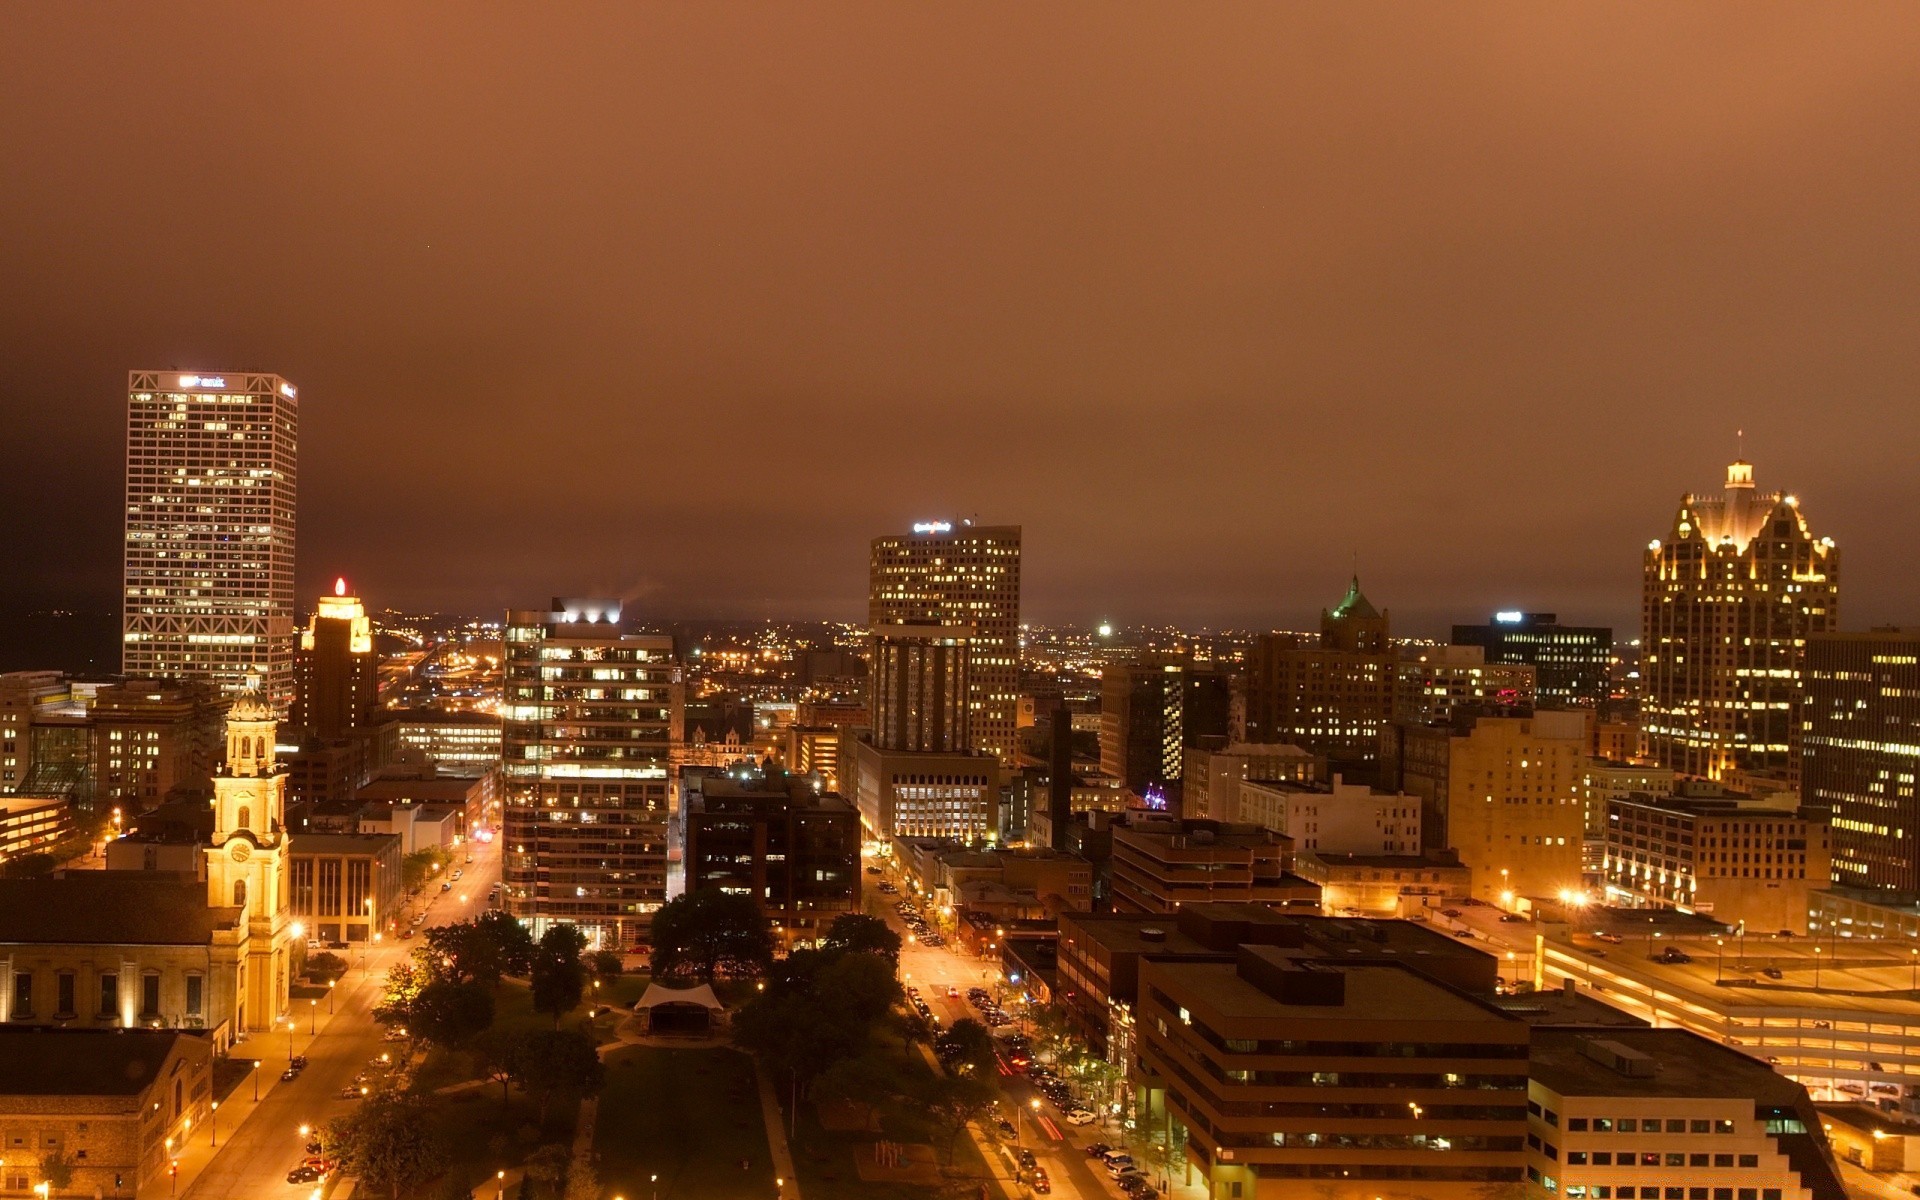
(1860, 753)
(1571, 663)
(210, 530)
(336, 671)
(956, 573)
(1729, 599)
(1333, 697)
(590, 715)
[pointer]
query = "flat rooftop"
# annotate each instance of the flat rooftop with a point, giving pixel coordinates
(82, 1062)
(1687, 1065)
(1373, 993)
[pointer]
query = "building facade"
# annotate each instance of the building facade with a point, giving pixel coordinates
(919, 794)
(151, 736)
(1210, 781)
(590, 715)
(345, 886)
(1152, 713)
(1332, 698)
(1751, 866)
(210, 530)
(1572, 664)
(795, 851)
(1730, 597)
(921, 696)
(1860, 753)
(1336, 816)
(1161, 864)
(1431, 681)
(957, 573)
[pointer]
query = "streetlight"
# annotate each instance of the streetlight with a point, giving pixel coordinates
(213, 1125)
(313, 1018)
(1719, 956)
(255, 1072)
(330, 984)
(289, 1040)
(1816, 968)
(1033, 1103)
(501, 1178)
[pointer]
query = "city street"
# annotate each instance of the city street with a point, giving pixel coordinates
(259, 1141)
(1057, 1146)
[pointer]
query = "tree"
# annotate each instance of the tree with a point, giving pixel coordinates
(861, 985)
(388, 1143)
(497, 1055)
(421, 865)
(709, 932)
(548, 1165)
(860, 932)
(967, 1048)
(325, 964)
(608, 965)
(29, 866)
(483, 949)
(451, 1014)
(583, 1183)
(405, 981)
(57, 1169)
(559, 1062)
(559, 977)
(953, 1102)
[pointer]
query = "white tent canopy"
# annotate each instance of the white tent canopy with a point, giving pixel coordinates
(656, 995)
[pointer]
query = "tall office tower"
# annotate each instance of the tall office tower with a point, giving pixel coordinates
(1332, 698)
(209, 534)
(1729, 600)
(335, 671)
(151, 736)
(959, 573)
(1860, 752)
(589, 718)
(1572, 664)
(919, 693)
(1151, 713)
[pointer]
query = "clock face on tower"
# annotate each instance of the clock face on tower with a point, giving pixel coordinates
(239, 852)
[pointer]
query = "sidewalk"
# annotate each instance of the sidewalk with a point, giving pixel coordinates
(270, 1050)
(777, 1135)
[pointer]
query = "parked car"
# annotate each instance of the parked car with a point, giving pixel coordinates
(1463, 933)
(1772, 972)
(1097, 1149)
(1611, 939)
(1025, 1158)
(304, 1174)
(1511, 918)
(1674, 954)
(1041, 1184)
(1081, 1116)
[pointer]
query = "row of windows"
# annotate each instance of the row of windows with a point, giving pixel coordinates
(66, 985)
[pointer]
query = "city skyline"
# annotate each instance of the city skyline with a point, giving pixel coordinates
(1475, 333)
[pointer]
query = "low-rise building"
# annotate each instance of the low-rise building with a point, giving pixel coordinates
(1336, 816)
(111, 1105)
(29, 824)
(1717, 857)
(1384, 885)
(345, 887)
(922, 793)
(1628, 1114)
(457, 741)
(1161, 863)
(474, 798)
(1295, 1076)
(1013, 884)
(1602, 781)
(1214, 772)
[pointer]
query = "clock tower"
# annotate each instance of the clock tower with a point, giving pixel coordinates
(247, 862)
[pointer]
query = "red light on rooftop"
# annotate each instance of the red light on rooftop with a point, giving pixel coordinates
(340, 586)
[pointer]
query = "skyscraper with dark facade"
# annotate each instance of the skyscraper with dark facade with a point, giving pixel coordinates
(1333, 697)
(1151, 713)
(336, 673)
(208, 588)
(589, 716)
(1860, 753)
(956, 573)
(1571, 663)
(919, 687)
(1729, 599)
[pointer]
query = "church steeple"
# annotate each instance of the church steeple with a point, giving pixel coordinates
(249, 793)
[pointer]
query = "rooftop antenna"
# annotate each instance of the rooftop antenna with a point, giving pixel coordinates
(1739, 445)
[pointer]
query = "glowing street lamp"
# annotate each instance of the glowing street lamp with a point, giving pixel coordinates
(213, 1125)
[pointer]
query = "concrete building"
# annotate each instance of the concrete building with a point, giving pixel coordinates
(1030, 884)
(112, 1104)
(920, 692)
(591, 712)
(1624, 1113)
(1603, 781)
(1333, 697)
(210, 530)
(1384, 885)
(956, 573)
(1501, 791)
(1572, 664)
(346, 886)
(1210, 781)
(456, 741)
(1337, 817)
(1295, 1076)
(151, 736)
(1859, 745)
(794, 850)
(1431, 681)
(1740, 865)
(1730, 598)
(30, 824)
(914, 794)
(1162, 863)
(1152, 713)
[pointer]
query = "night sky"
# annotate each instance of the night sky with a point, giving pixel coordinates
(688, 301)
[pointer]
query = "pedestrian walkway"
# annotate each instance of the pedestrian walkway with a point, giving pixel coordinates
(777, 1136)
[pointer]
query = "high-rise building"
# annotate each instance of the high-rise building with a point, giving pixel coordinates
(1572, 664)
(210, 530)
(1151, 713)
(1860, 753)
(336, 673)
(1730, 597)
(1742, 864)
(920, 691)
(1431, 681)
(796, 851)
(151, 736)
(1505, 792)
(590, 714)
(956, 573)
(1332, 698)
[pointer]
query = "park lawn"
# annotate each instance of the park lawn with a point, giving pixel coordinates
(826, 1158)
(483, 1136)
(689, 1116)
